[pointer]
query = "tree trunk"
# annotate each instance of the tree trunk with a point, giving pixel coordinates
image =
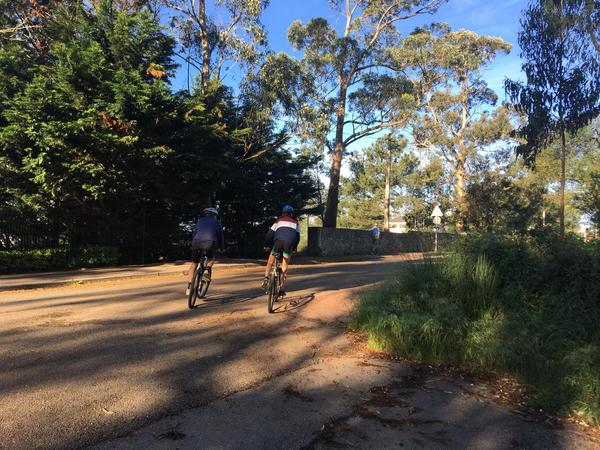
(563, 164)
(204, 76)
(459, 192)
(388, 182)
(331, 207)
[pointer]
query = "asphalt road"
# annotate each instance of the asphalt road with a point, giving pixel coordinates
(81, 364)
(125, 364)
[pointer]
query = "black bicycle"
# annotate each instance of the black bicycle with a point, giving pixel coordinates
(274, 284)
(200, 284)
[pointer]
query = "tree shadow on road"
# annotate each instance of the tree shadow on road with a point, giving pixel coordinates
(115, 370)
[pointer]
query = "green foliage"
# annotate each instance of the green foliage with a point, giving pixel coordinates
(526, 306)
(32, 260)
(95, 255)
(499, 204)
(57, 258)
(582, 163)
(96, 149)
(341, 90)
(454, 119)
(585, 170)
(423, 189)
(215, 35)
(251, 196)
(589, 198)
(562, 92)
(363, 193)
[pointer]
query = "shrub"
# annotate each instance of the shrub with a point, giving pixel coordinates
(15, 261)
(526, 306)
(95, 256)
(32, 260)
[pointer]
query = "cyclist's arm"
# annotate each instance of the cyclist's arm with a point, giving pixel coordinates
(268, 242)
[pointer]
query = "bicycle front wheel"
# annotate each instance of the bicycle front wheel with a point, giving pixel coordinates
(194, 289)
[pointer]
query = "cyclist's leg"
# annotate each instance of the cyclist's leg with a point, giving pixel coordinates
(209, 264)
(285, 263)
(284, 270)
(211, 253)
(271, 259)
(196, 255)
(209, 248)
(193, 266)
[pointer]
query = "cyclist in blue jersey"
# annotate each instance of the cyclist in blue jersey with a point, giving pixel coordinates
(208, 237)
(282, 237)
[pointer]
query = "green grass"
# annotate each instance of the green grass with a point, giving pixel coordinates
(527, 307)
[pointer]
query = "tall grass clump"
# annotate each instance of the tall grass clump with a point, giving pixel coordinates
(525, 306)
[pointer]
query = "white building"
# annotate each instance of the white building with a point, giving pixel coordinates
(398, 225)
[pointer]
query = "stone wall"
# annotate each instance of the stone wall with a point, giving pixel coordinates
(343, 241)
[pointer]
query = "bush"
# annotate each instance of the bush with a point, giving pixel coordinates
(96, 256)
(526, 306)
(56, 258)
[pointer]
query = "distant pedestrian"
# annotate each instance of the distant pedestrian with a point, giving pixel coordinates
(375, 233)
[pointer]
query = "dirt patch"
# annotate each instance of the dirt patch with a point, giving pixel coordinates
(497, 388)
(371, 409)
(331, 306)
(291, 392)
(382, 397)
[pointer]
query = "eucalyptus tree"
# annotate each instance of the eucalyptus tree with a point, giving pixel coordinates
(424, 187)
(377, 173)
(341, 90)
(562, 92)
(208, 42)
(393, 148)
(456, 117)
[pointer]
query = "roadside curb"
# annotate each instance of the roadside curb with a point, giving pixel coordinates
(101, 279)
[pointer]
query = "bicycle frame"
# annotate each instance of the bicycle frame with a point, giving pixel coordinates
(274, 282)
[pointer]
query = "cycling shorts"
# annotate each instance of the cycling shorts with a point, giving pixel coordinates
(282, 247)
(200, 247)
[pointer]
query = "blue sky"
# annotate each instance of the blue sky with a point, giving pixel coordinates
(490, 17)
(497, 18)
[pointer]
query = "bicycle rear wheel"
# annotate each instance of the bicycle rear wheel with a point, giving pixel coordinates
(204, 284)
(194, 288)
(272, 292)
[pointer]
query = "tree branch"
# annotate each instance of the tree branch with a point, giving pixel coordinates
(371, 130)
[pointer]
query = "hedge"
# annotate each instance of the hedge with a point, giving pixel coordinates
(15, 261)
